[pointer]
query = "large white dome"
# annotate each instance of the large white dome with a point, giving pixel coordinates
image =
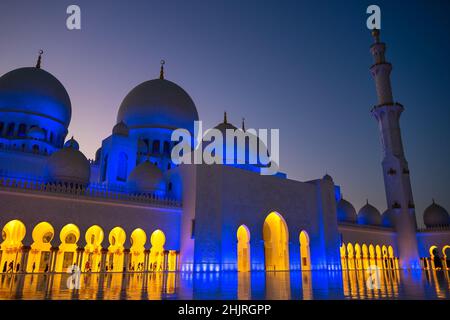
(158, 103)
(36, 92)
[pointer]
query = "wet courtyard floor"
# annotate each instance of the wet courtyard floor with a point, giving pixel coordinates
(357, 284)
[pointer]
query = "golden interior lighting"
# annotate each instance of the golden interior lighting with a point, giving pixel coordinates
(115, 259)
(305, 254)
(157, 240)
(275, 234)
(67, 253)
(92, 251)
(39, 258)
(243, 249)
(12, 235)
(138, 239)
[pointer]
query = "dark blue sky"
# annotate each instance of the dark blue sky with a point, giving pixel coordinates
(300, 66)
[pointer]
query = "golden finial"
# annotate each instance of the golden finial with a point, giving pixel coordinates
(38, 63)
(161, 72)
(376, 35)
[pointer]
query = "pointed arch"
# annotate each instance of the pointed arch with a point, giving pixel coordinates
(39, 256)
(92, 251)
(243, 248)
(138, 240)
(276, 247)
(13, 234)
(157, 240)
(305, 253)
(69, 236)
(117, 238)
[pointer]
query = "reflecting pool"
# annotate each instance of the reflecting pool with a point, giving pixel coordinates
(354, 284)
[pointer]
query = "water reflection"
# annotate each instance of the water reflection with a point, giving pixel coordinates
(348, 284)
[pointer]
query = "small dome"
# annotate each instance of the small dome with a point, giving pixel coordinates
(68, 165)
(369, 215)
(121, 129)
(435, 216)
(345, 211)
(36, 133)
(35, 91)
(327, 177)
(146, 178)
(387, 219)
(72, 143)
(158, 103)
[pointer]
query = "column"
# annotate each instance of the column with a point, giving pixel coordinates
(146, 259)
(24, 259)
(104, 252)
(126, 259)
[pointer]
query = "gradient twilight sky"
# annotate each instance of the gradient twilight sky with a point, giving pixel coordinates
(300, 66)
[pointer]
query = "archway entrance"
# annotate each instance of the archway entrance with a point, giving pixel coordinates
(12, 234)
(138, 239)
(40, 255)
(114, 262)
(305, 254)
(446, 255)
(92, 251)
(243, 249)
(69, 236)
(275, 234)
(157, 240)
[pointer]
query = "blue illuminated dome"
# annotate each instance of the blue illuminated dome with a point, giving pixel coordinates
(387, 219)
(369, 215)
(35, 91)
(158, 103)
(346, 212)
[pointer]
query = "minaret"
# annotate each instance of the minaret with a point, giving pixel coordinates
(395, 167)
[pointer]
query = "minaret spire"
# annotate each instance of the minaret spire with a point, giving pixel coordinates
(225, 117)
(38, 63)
(161, 71)
(243, 124)
(395, 167)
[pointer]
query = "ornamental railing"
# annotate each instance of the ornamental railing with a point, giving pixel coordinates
(95, 191)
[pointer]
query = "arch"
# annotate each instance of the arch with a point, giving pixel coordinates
(66, 256)
(10, 129)
(138, 240)
(243, 248)
(276, 237)
(13, 234)
(122, 167)
(92, 251)
(305, 254)
(39, 258)
(446, 256)
(22, 130)
(372, 257)
(379, 256)
(156, 146)
(104, 168)
(115, 259)
(358, 257)
(157, 240)
(365, 256)
(350, 257)
(343, 251)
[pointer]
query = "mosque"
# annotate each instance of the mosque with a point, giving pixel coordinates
(132, 209)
